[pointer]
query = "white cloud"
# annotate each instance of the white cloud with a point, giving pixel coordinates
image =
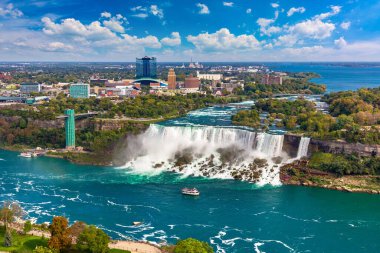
(97, 36)
(138, 8)
(148, 41)
(248, 11)
(203, 9)
(140, 15)
(115, 23)
(144, 12)
(265, 23)
(156, 11)
(275, 5)
(58, 47)
(340, 43)
(73, 27)
(175, 40)
(293, 10)
(223, 40)
(105, 14)
(228, 4)
(287, 40)
(302, 51)
(345, 25)
(9, 10)
(314, 29)
(334, 11)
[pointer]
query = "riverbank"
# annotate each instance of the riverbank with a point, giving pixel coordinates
(298, 173)
(27, 242)
(76, 157)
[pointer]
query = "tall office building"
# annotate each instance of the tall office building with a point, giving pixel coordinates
(70, 128)
(172, 80)
(80, 90)
(146, 67)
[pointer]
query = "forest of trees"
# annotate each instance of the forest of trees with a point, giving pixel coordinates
(353, 116)
(289, 86)
(345, 164)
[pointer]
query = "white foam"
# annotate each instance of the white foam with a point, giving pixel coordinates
(158, 148)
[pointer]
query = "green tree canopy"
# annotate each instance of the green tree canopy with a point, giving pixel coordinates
(192, 245)
(94, 240)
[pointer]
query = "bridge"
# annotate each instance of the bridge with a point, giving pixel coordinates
(79, 115)
(70, 125)
(296, 94)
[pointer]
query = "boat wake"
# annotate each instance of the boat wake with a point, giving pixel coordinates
(225, 153)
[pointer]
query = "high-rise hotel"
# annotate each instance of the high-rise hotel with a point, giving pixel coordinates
(146, 67)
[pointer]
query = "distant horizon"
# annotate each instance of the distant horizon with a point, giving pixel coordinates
(205, 62)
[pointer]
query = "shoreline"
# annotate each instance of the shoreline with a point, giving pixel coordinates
(299, 174)
(127, 245)
(306, 178)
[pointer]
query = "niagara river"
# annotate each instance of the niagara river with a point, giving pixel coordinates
(233, 216)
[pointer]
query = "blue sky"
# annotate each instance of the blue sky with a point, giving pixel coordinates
(176, 30)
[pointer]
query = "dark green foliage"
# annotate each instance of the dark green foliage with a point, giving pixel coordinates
(191, 245)
(27, 226)
(94, 240)
(300, 85)
(349, 102)
(345, 164)
(283, 106)
(247, 118)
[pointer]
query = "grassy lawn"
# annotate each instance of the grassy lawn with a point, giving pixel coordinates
(21, 243)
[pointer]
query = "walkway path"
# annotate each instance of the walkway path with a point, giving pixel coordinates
(134, 247)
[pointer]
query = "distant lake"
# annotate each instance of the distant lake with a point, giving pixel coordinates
(337, 76)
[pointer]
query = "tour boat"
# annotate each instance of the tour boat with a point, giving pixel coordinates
(26, 154)
(190, 191)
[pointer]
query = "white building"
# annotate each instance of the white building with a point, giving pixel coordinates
(211, 77)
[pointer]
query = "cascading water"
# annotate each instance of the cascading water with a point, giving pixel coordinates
(208, 151)
(303, 147)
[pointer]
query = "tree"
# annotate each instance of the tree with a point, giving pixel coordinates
(94, 240)
(27, 226)
(8, 213)
(76, 229)
(192, 245)
(291, 122)
(8, 241)
(60, 238)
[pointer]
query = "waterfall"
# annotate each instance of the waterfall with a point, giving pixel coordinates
(207, 151)
(270, 144)
(303, 147)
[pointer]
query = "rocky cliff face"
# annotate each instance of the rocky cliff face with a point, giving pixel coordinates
(114, 124)
(291, 142)
(60, 123)
(342, 147)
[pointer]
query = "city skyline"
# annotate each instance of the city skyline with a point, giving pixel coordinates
(174, 31)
